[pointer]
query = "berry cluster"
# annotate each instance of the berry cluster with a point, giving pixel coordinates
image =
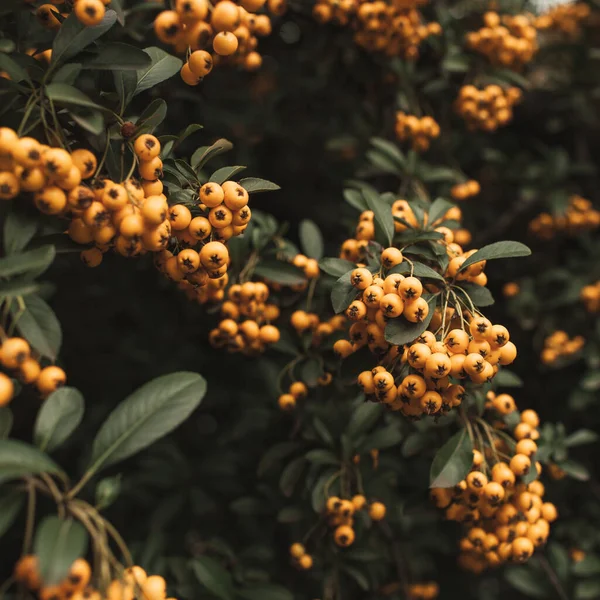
(303, 322)
(567, 18)
(230, 30)
(16, 357)
(88, 12)
(423, 591)
(467, 189)
(590, 296)
(340, 516)
(76, 585)
(558, 345)
(418, 131)
(297, 390)
(300, 558)
(395, 29)
(579, 216)
(509, 41)
(245, 326)
(486, 109)
(499, 502)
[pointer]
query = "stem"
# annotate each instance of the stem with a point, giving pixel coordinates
(31, 103)
(28, 536)
(17, 315)
(311, 292)
(553, 578)
(104, 155)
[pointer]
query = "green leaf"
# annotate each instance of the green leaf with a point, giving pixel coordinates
(438, 209)
(525, 580)
(225, 173)
(67, 74)
(90, 120)
(452, 461)
(58, 542)
(213, 577)
(418, 269)
(479, 295)
(587, 590)
(343, 293)
(319, 456)
(18, 288)
(36, 261)
(39, 325)
(206, 153)
(162, 67)
(591, 381)
(6, 422)
(280, 272)
(505, 378)
(291, 475)
(590, 565)
(73, 36)
(575, 470)
(497, 250)
(274, 454)
(358, 576)
(255, 185)
(578, 438)
(19, 228)
(150, 413)
(107, 491)
(115, 56)
(60, 415)
(391, 151)
(363, 418)
(384, 437)
(429, 174)
(11, 502)
(152, 116)
(18, 459)
(559, 560)
(61, 93)
(355, 199)
(311, 239)
(266, 591)
(384, 221)
(15, 71)
(336, 266)
(456, 63)
(400, 331)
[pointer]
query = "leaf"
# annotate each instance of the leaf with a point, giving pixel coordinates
(384, 232)
(363, 418)
(58, 542)
(319, 456)
(225, 173)
(336, 266)
(37, 260)
(358, 576)
(525, 580)
(213, 577)
(559, 559)
(343, 293)
(393, 153)
(206, 153)
(479, 295)
(274, 454)
(61, 93)
(266, 591)
(505, 378)
(587, 590)
(575, 470)
(39, 325)
(311, 239)
(591, 381)
(256, 185)
(90, 120)
(290, 514)
(400, 331)
(578, 438)
(497, 250)
(73, 36)
(18, 288)
(152, 117)
(6, 422)
(429, 174)
(590, 565)
(418, 269)
(18, 459)
(438, 209)
(385, 437)
(67, 73)
(147, 415)
(116, 56)
(452, 461)
(355, 199)
(291, 475)
(162, 67)
(280, 272)
(15, 71)
(19, 228)
(11, 502)
(60, 415)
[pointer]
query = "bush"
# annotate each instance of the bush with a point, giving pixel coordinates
(297, 382)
